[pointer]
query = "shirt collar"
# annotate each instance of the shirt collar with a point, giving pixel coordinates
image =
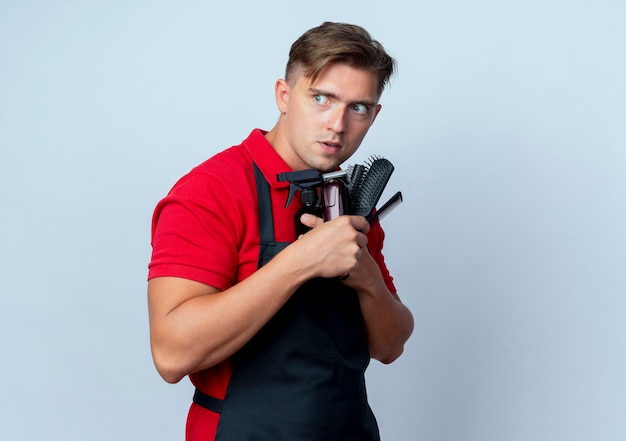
(266, 158)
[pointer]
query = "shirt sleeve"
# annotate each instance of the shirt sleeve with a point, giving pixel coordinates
(190, 237)
(376, 238)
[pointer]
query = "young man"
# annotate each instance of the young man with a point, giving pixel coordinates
(266, 325)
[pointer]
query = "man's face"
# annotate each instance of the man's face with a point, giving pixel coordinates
(323, 123)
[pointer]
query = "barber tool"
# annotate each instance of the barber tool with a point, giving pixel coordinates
(369, 185)
(355, 190)
(387, 207)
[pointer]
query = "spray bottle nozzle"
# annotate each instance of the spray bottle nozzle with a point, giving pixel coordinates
(305, 181)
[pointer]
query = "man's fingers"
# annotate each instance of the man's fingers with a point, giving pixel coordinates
(310, 220)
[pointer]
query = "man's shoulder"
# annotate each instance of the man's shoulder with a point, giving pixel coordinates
(236, 159)
(226, 173)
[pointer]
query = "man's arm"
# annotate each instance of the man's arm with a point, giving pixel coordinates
(388, 322)
(194, 326)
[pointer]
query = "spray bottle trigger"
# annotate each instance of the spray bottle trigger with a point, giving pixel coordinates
(300, 180)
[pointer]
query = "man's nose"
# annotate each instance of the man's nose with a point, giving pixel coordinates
(337, 119)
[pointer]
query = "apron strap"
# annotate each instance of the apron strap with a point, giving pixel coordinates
(268, 247)
(266, 220)
(208, 402)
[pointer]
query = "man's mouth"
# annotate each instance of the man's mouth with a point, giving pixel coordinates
(331, 145)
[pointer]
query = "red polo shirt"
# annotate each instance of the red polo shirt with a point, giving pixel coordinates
(207, 229)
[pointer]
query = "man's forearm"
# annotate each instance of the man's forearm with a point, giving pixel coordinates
(389, 323)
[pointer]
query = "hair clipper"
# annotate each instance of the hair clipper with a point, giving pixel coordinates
(334, 195)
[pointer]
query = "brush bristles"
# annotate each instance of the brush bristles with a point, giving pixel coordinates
(372, 182)
(355, 174)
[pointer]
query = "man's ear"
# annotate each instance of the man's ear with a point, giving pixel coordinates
(376, 112)
(281, 92)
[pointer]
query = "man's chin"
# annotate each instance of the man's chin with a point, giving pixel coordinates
(327, 169)
(325, 165)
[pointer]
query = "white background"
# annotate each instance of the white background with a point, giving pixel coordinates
(507, 127)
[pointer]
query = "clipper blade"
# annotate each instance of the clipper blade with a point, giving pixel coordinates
(365, 195)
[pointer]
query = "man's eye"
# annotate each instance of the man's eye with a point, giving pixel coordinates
(321, 99)
(361, 109)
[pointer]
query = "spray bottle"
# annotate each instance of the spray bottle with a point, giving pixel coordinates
(307, 183)
(329, 203)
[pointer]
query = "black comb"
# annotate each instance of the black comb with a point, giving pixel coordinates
(365, 195)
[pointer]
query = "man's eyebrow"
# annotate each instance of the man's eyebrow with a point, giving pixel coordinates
(314, 91)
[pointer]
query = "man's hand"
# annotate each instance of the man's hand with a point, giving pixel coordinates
(334, 248)
(366, 268)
